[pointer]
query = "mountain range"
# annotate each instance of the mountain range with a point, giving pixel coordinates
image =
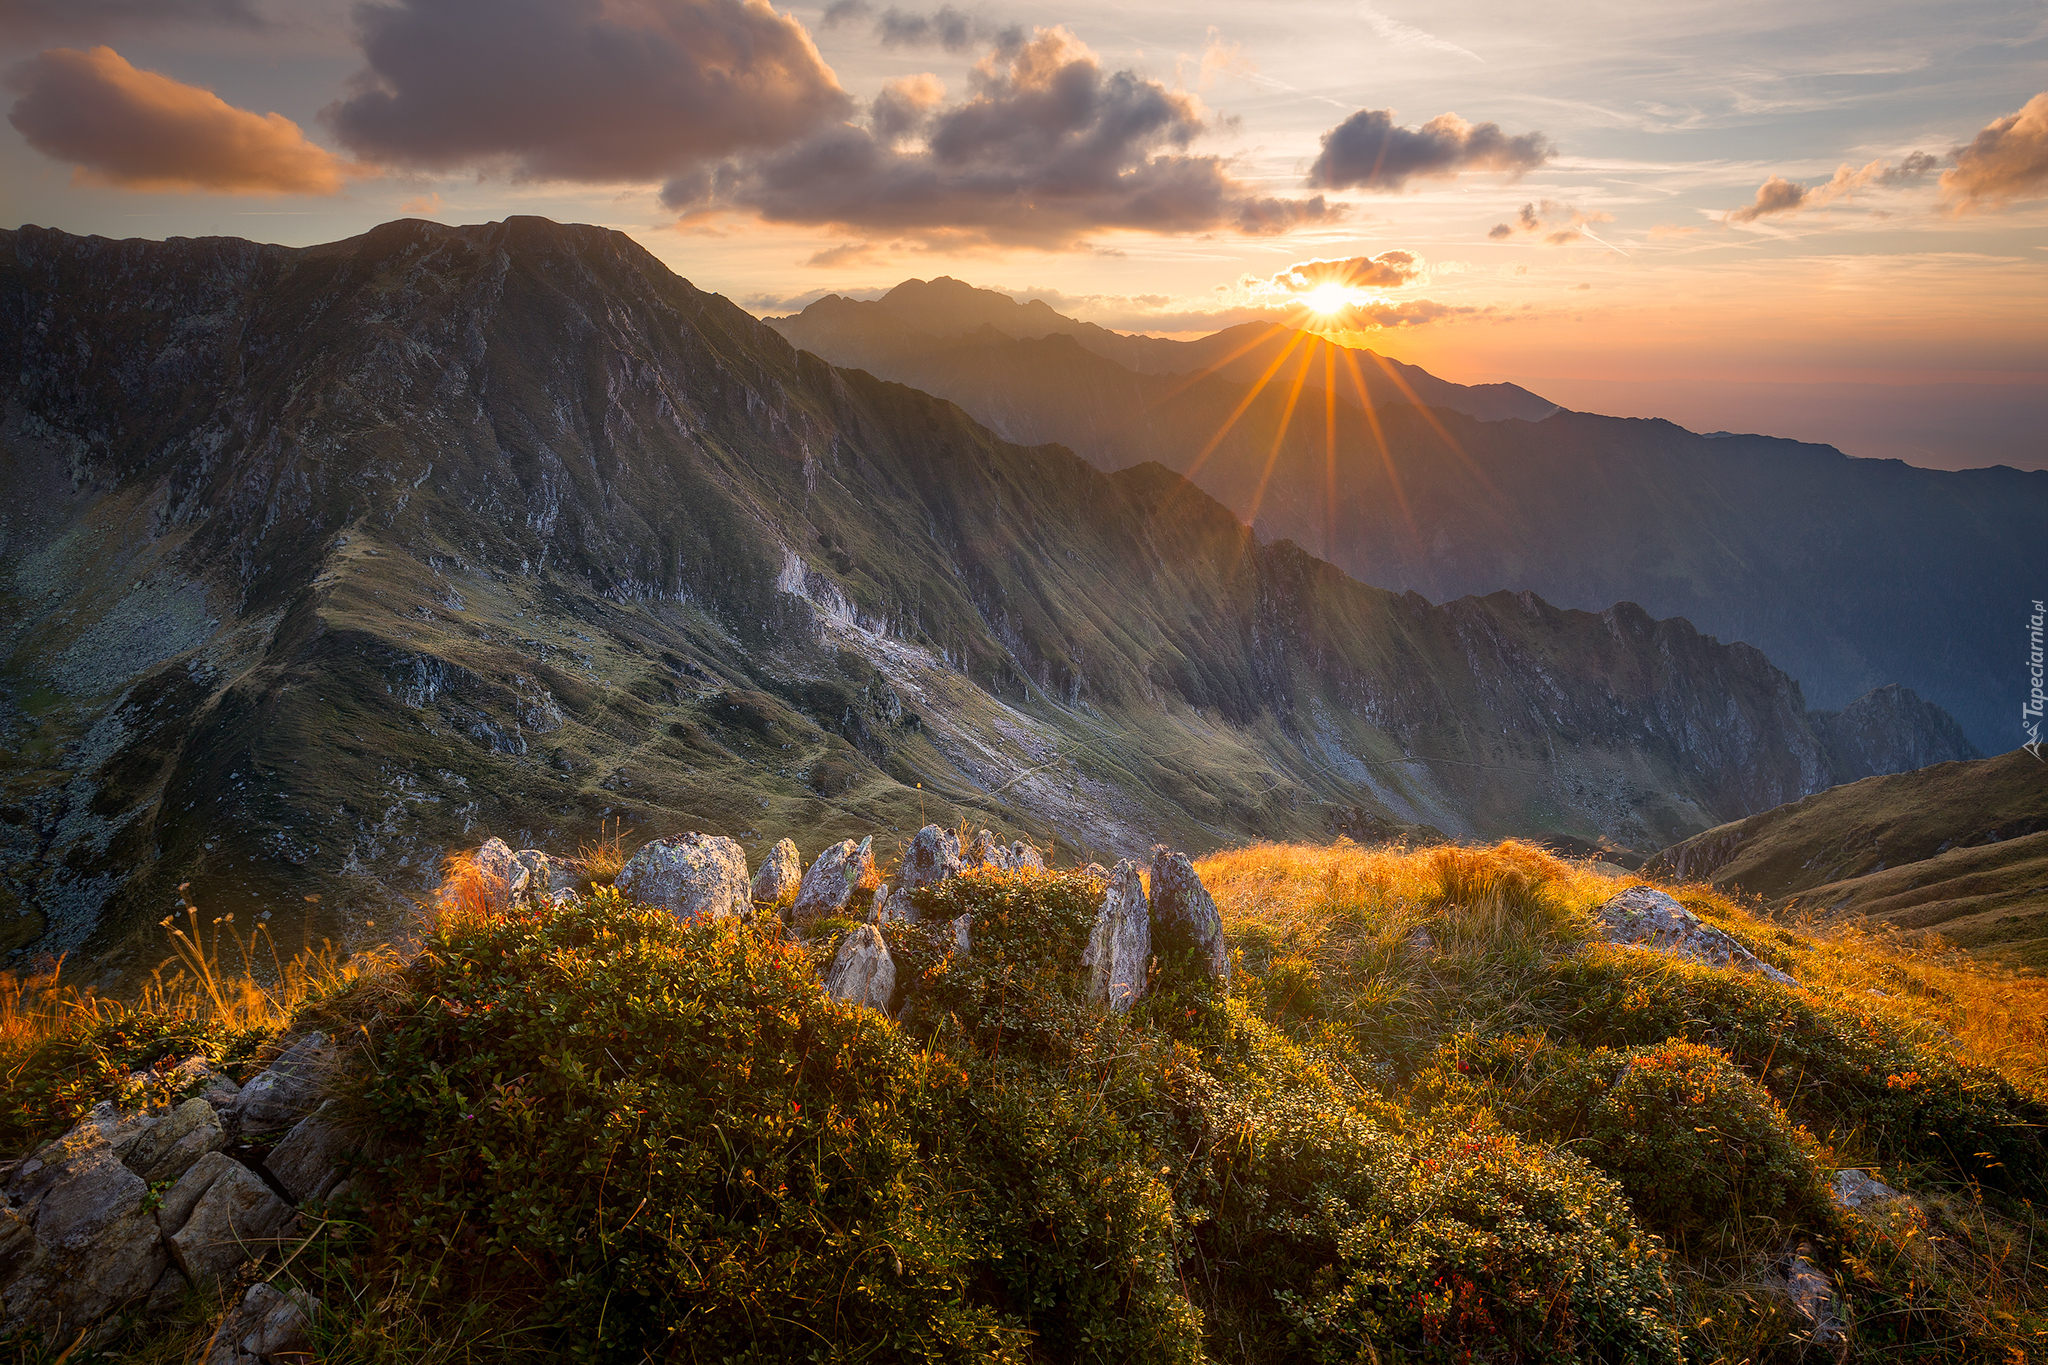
(1902, 575)
(322, 561)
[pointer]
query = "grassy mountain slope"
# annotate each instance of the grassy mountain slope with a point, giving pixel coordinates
(1850, 574)
(327, 560)
(1959, 848)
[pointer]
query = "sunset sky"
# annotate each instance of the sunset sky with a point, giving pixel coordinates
(1736, 214)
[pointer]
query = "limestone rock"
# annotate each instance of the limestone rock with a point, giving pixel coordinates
(175, 1140)
(829, 885)
(268, 1327)
(963, 935)
(1648, 918)
(1024, 856)
(548, 878)
(183, 1196)
(691, 876)
(862, 971)
(78, 1241)
(780, 875)
(1120, 945)
(1183, 909)
(505, 877)
(891, 907)
(231, 1221)
(987, 851)
(933, 857)
(1853, 1189)
(306, 1163)
(289, 1089)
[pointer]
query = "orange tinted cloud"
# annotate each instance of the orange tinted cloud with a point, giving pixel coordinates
(143, 131)
(2006, 161)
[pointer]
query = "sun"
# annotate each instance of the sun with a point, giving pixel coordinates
(1326, 299)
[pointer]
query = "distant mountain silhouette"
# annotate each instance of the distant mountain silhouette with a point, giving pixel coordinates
(1850, 574)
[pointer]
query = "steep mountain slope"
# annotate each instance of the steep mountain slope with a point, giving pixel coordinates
(1961, 848)
(322, 560)
(1850, 574)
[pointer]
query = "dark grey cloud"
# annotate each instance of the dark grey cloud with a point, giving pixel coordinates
(35, 21)
(582, 89)
(1047, 148)
(946, 27)
(1372, 152)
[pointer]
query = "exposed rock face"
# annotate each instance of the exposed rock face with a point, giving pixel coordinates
(506, 879)
(986, 851)
(78, 1241)
(691, 876)
(781, 874)
(1645, 917)
(547, 876)
(862, 971)
(933, 856)
(289, 1090)
(1120, 945)
(891, 907)
(829, 886)
(963, 935)
(232, 1218)
(307, 1162)
(1890, 730)
(1023, 855)
(177, 1140)
(266, 1327)
(1854, 1189)
(1182, 909)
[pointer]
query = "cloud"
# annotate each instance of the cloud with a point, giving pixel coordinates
(144, 131)
(1388, 270)
(582, 90)
(1047, 148)
(1555, 223)
(1410, 38)
(944, 27)
(904, 104)
(1368, 315)
(1778, 195)
(846, 253)
(2007, 161)
(1370, 151)
(27, 21)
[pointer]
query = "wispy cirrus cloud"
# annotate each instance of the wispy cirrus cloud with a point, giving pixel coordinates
(140, 130)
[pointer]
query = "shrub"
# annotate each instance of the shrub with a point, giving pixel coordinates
(1701, 1149)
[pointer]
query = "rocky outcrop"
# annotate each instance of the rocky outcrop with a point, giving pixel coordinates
(1120, 945)
(782, 872)
(548, 877)
(268, 1327)
(505, 877)
(1644, 917)
(1890, 730)
(932, 857)
(829, 886)
(131, 1206)
(863, 972)
(693, 876)
(1184, 915)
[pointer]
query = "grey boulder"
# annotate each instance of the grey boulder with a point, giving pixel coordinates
(548, 878)
(1120, 945)
(692, 876)
(505, 877)
(862, 971)
(268, 1327)
(307, 1162)
(289, 1089)
(782, 872)
(932, 857)
(76, 1240)
(1644, 917)
(1182, 909)
(175, 1140)
(829, 886)
(233, 1217)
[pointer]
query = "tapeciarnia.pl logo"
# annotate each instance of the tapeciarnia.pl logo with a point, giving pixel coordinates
(2030, 714)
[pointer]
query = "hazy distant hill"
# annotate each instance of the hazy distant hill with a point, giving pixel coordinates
(321, 561)
(1961, 848)
(1850, 574)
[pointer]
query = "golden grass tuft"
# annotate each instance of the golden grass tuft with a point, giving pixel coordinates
(604, 857)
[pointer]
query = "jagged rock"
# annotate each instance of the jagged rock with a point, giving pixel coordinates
(986, 851)
(1853, 1189)
(79, 1241)
(692, 876)
(548, 878)
(266, 1328)
(963, 932)
(832, 880)
(1645, 917)
(933, 857)
(891, 907)
(505, 877)
(862, 971)
(233, 1217)
(179, 1200)
(306, 1162)
(780, 875)
(289, 1089)
(170, 1145)
(1183, 908)
(1023, 856)
(1120, 945)
(1813, 1297)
